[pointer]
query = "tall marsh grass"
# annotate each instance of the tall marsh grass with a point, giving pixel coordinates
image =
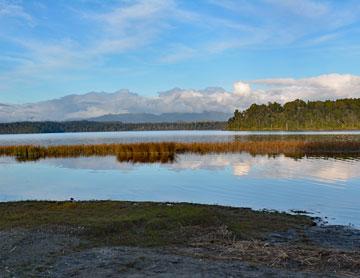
(166, 151)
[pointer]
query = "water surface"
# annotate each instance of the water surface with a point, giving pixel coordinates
(166, 136)
(326, 187)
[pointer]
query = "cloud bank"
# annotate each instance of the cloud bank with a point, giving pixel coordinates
(330, 86)
(243, 94)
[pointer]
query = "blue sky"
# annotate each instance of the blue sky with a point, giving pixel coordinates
(52, 48)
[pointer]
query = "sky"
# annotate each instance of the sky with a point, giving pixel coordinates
(282, 48)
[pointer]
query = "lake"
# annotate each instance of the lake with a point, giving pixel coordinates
(326, 187)
(168, 136)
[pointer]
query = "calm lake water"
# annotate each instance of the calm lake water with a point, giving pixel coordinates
(178, 136)
(326, 187)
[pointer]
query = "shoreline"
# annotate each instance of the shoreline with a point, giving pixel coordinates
(126, 238)
(245, 132)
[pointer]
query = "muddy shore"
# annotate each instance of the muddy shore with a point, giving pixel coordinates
(112, 239)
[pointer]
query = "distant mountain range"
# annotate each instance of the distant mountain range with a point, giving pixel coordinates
(164, 117)
(176, 105)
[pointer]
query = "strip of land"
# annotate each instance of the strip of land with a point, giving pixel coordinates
(99, 238)
(167, 151)
(96, 126)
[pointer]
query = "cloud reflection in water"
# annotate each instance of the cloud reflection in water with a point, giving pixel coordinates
(280, 167)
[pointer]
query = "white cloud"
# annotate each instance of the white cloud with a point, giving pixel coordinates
(242, 88)
(323, 87)
(329, 86)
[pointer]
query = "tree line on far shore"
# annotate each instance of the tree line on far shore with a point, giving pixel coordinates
(341, 114)
(89, 126)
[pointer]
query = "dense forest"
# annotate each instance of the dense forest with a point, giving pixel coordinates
(342, 114)
(88, 126)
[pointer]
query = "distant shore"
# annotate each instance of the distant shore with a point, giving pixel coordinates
(127, 238)
(30, 127)
(94, 126)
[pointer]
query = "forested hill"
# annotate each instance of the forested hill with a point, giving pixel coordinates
(88, 126)
(342, 114)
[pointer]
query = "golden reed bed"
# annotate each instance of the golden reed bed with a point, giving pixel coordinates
(167, 151)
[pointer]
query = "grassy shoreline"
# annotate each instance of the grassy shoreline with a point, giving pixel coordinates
(146, 223)
(81, 231)
(167, 151)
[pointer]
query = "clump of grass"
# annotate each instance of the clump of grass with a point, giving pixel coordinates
(139, 152)
(167, 151)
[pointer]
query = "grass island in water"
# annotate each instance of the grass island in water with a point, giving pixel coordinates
(166, 151)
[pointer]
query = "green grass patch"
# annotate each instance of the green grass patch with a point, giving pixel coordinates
(145, 223)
